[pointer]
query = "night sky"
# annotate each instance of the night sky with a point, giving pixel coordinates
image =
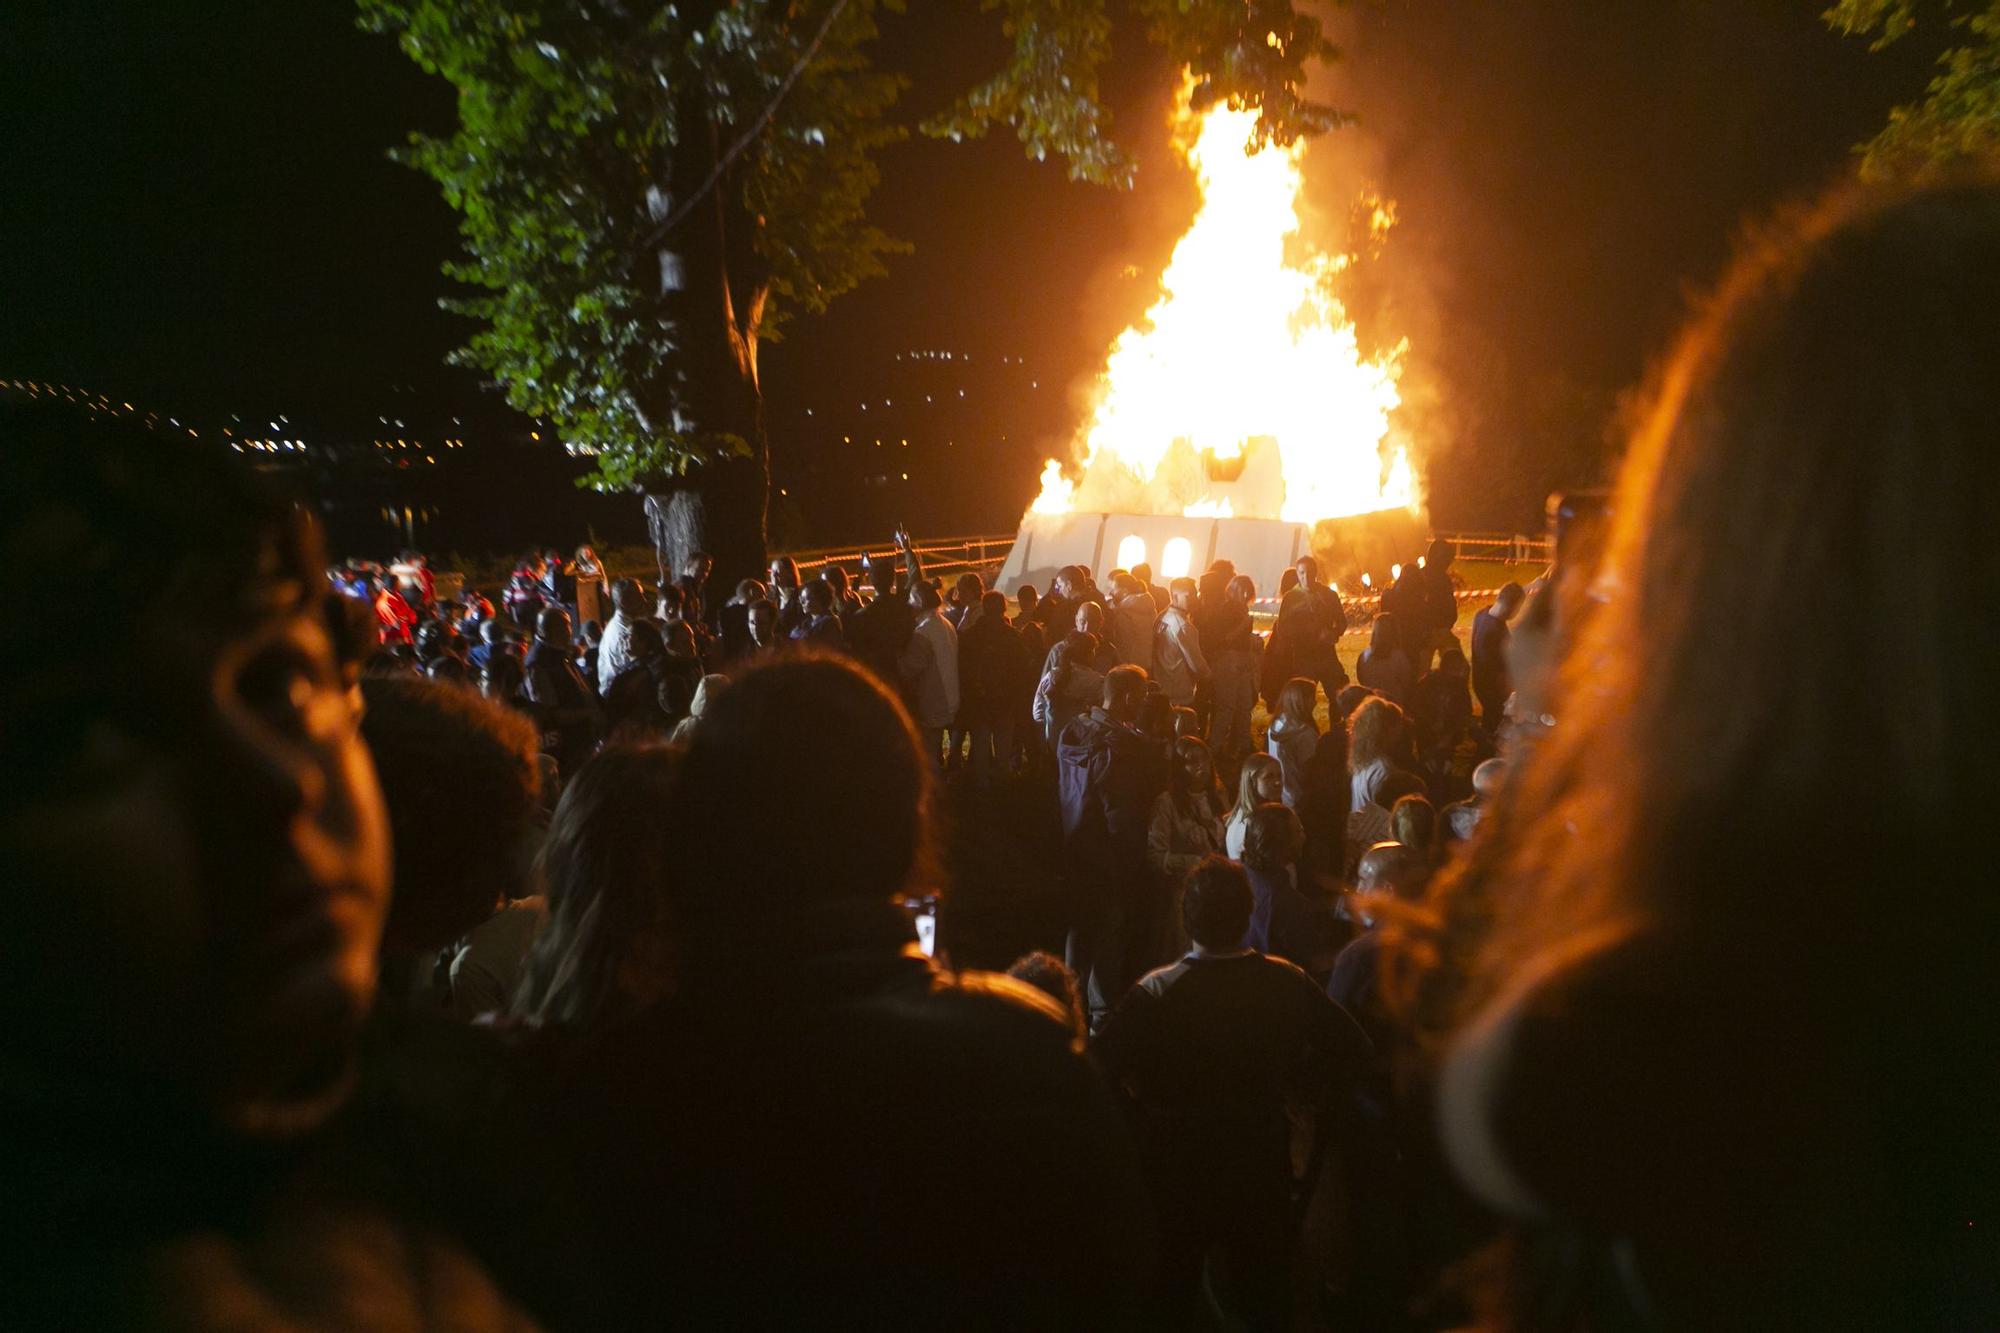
(197, 209)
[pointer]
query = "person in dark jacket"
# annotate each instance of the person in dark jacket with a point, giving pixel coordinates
(522, 598)
(1110, 774)
(817, 1125)
(1441, 720)
(1491, 630)
(782, 586)
(1440, 603)
(1211, 1049)
(565, 707)
(993, 689)
(693, 584)
(1327, 622)
(845, 600)
(878, 633)
(1386, 665)
(1280, 921)
(732, 620)
(818, 626)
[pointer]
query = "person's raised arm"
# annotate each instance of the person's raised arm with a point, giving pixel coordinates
(913, 564)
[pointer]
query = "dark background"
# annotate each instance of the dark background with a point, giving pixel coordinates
(197, 214)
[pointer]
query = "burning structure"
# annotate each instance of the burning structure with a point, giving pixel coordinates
(1240, 418)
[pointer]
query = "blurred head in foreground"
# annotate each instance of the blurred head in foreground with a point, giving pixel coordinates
(191, 833)
(1735, 960)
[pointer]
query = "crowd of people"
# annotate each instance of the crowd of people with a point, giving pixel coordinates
(587, 960)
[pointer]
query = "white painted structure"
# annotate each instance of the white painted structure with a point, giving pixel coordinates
(1175, 547)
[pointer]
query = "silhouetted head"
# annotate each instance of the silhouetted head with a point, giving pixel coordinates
(1374, 732)
(552, 626)
(1124, 692)
(500, 677)
(1413, 822)
(1215, 904)
(1048, 974)
(610, 870)
(880, 572)
(1391, 867)
(1273, 838)
(817, 745)
(1387, 636)
(450, 761)
(628, 597)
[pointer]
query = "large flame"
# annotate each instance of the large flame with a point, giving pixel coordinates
(1243, 391)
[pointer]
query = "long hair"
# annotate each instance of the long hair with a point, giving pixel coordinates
(607, 868)
(1255, 765)
(1387, 635)
(1182, 789)
(1820, 449)
(819, 744)
(1373, 732)
(1297, 700)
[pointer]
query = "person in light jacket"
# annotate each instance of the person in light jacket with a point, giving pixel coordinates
(929, 666)
(1187, 818)
(1178, 663)
(1294, 735)
(1132, 616)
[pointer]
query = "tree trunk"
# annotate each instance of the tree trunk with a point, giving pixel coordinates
(714, 287)
(717, 509)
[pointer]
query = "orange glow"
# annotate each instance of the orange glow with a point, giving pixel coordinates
(1247, 359)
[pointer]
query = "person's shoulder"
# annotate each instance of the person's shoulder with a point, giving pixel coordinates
(1281, 975)
(1008, 998)
(1157, 982)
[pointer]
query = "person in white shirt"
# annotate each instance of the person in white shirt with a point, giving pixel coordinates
(929, 667)
(614, 654)
(1178, 663)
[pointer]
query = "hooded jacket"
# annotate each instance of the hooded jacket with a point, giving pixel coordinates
(1109, 776)
(1292, 746)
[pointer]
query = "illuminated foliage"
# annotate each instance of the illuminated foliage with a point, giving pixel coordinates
(1958, 119)
(646, 190)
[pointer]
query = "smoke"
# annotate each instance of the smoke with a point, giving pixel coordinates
(1566, 176)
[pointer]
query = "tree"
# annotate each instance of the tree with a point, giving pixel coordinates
(1959, 118)
(647, 190)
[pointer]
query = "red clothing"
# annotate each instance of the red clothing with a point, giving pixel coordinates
(396, 617)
